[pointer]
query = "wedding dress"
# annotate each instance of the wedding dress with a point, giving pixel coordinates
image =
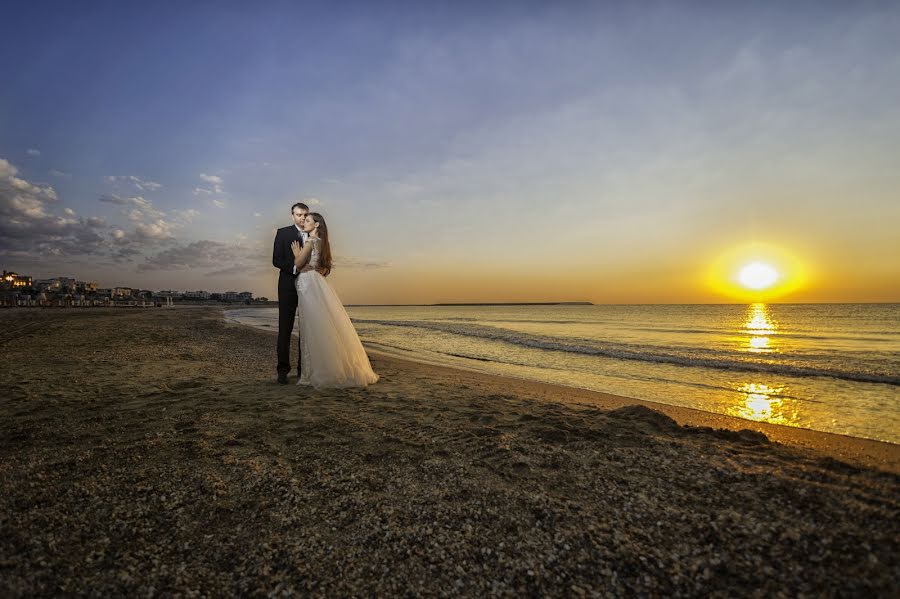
(330, 350)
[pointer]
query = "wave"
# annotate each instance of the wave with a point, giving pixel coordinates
(694, 331)
(643, 377)
(637, 353)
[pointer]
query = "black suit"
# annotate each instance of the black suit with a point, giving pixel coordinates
(283, 260)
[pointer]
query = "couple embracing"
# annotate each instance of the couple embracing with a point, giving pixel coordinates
(331, 354)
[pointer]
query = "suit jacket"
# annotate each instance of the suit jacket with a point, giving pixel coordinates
(282, 256)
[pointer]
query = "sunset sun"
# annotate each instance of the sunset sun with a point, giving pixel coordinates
(758, 276)
(757, 271)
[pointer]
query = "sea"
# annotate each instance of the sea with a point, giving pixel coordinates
(826, 367)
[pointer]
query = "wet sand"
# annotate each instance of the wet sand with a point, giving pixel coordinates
(151, 452)
(853, 450)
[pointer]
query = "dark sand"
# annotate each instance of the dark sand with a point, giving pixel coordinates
(151, 452)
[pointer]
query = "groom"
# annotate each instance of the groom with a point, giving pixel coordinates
(283, 260)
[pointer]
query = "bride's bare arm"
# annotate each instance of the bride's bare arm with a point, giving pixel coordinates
(301, 255)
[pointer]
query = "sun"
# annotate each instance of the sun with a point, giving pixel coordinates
(757, 272)
(758, 276)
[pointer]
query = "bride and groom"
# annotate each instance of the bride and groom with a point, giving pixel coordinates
(330, 353)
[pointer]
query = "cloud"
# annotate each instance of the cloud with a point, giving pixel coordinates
(216, 258)
(126, 245)
(184, 217)
(136, 208)
(33, 152)
(215, 185)
(218, 203)
(236, 269)
(359, 263)
(22, 201)
(33, 224)
(112, 198)
(156, 231)
(14, 185)
(140, 184)
(60, 174)
(208, 254)
(152, 227)
(29, 229)
(214, 179)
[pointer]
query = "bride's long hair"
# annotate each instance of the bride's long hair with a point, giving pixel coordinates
(325, 246)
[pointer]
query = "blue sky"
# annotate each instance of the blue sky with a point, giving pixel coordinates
(460, 151)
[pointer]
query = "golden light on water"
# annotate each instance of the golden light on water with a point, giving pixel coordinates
(759, 344)
(762, 403)
(761, 329)
(757, 272)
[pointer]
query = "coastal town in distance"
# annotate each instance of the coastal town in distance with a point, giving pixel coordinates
(19, 290)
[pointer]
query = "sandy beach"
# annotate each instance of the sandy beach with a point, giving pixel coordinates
(149, 452)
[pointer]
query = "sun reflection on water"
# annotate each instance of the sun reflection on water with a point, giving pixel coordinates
(759, 401)
(761, 328)
(759, 343)
(763, 403)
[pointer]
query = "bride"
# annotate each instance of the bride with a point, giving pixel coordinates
(332, 353)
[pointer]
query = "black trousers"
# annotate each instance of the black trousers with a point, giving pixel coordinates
(287, 311)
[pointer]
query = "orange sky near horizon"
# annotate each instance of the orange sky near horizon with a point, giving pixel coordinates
(678, 279)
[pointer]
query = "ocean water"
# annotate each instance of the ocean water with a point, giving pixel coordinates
(827, 367)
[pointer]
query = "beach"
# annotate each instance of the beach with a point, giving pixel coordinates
(152, 452)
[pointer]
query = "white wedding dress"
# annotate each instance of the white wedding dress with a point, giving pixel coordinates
(331, 354)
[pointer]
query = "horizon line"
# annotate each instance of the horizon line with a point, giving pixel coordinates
(617, 304)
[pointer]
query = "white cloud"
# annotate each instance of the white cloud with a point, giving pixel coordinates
(140, 184)
(211, 178)
(216, 184)
(33, 152)
(257, 214)
(158, 230)
(218, 203)
(28, 227)
(184, 217)
(136, 208)
(61, 174)
(20, 186)
(152, 227)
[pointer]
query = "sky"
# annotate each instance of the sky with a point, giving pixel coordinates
(460, 151)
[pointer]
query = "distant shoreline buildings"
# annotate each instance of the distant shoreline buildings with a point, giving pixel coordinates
(18, 290)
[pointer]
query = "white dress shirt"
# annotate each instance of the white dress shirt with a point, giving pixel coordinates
(303, 235)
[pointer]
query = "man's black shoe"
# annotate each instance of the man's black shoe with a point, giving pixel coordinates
(282, 378)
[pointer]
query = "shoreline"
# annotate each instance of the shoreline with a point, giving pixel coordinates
(861, 451)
